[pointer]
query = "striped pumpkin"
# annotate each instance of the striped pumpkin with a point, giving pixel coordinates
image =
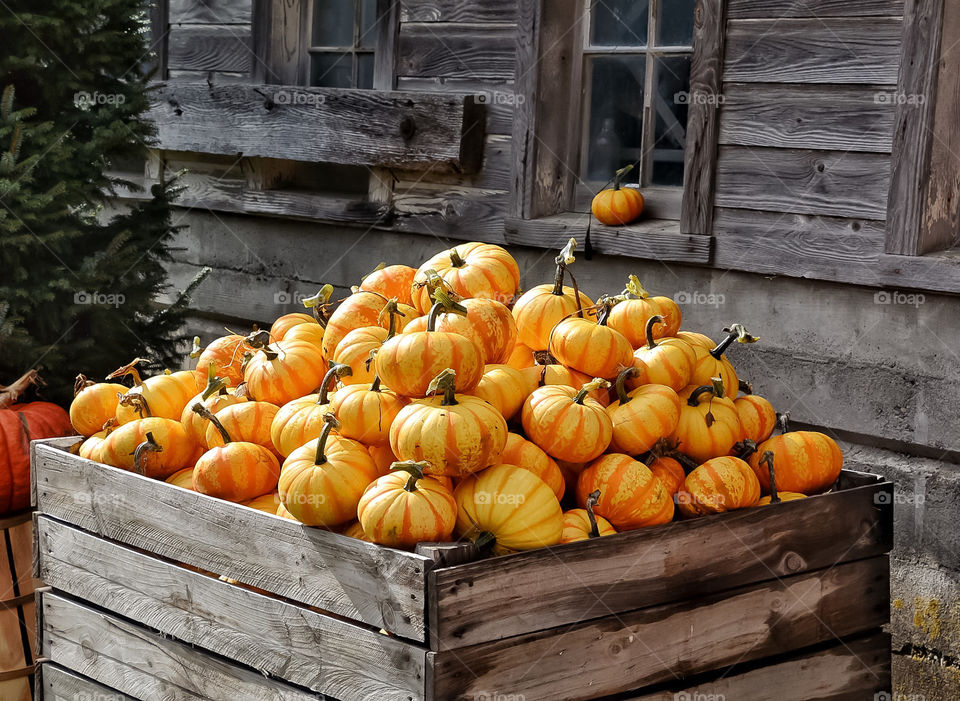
(354, 351)
(668, 361)
(508, 507)
(311, 333)
(807, 462)
(488, 323)
(162, 396)
(584, 524)
(403, 508)
(286, 322)
(282, 371)
(591, 348)
(718, 485)
(248, 422)
(392, 281)
(693, 338)
(469, 270)
(631, 496)
(709, 425)
(566, 423)
(360, 309)
(643, 416)
(457, 434)
(226, 354)
(503, 387)
(713, 363)
(214, 398)
(129, 444)
(91, 447)
(758, 418)
(670, 472)
(367, 413)
(322, 481)
(302, 419)
(541, 308)
(631, 316)
(555, 374)
(235, 471)
(528, 455)
(407, 363)
(94, 403)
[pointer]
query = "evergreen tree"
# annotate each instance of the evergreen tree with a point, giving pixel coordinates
(79, 286)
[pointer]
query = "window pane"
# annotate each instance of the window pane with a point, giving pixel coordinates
(615, 116)
(619, 23)
(365, 71)
(676, 23)
(671, 102)
(331, 70)
(333, 22)
(368, 24)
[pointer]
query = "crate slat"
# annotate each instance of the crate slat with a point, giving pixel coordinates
(479, 601)
(61, 684)
(634, 650)
(850, 670)
(378, 586)
(304, 647)
(145, 665)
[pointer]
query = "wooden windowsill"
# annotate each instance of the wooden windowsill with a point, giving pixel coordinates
(657, 239)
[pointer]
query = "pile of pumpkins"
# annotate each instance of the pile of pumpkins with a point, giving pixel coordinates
(434, 404)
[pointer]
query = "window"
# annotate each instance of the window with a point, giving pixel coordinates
(635, 92)
(343, 35)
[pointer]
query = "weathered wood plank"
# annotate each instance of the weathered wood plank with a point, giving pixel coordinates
(830, 183)
(464, 214)
(498, 97)
(828, 50)
(496, 11)
(850, 670)
(841, 118)
(649, 238)
(477, 602)
(211, 11)
(307, 565)
(706, 85)
(144, 664)
(61, 684)
(155, 65)
(210, 48)
(314, 206)
(359, 127)
(474, 51)
(274, 637)
(495, 174)
(847, 240)
(767, 9)
(632, 650)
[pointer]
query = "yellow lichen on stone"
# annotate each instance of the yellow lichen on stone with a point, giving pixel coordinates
(926, 615)
(898, 604)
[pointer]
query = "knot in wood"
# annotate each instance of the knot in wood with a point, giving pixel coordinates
(408, 128)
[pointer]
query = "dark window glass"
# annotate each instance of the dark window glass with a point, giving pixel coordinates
(619, 22)
(616, 85)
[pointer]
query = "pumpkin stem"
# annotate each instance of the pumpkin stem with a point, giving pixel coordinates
(375, 385)
(563, 260)
(138, 402)
(214, 384)
(445, 304)
(149, 445)
(393, 310)
(336, 371)
(606, 304)
(595, 383)
(745, 448)
(634, 288)
(261, 341)
(543, 357)
(648, 330)
(109, 425)
(128, 369)
(81, 383)
(380, 266)
(485, 540)
(619, 176)
(318, 303)
(735, 332)
(330, 423)
(620, 385)
(665, 448)
(592, 500)
(767, 459)
(196, 349)
(415, 468)
(745, 386)
(695, 395)
(202, 411)
(455, 259)
(445, 382)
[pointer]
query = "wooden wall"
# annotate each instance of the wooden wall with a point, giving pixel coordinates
(806, 133)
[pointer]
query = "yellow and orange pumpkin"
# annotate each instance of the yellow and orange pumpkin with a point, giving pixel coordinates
(528, 455)
(584, 524)
(718, 485)
(642, 416)
(592, 348)
(94, 404)
(566, 423)
(469, 270)
(709, 425)
(631, 496)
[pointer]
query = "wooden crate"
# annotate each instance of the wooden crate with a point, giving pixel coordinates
(726, 605)
(17, 615)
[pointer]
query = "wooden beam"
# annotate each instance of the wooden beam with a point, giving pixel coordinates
(308, 565)
(822, 51)
(62, 684)
(479, 11)
(211, 11)
(706, 85)
(476, 602)
(355, 127)
(766, 9)
(632, 650)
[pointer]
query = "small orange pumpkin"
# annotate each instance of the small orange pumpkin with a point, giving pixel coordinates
(302, 419)
(808, 462)
(360, 309)
(286, 322)
(469, 270)
(556, 374)
(631, 315)
(566, 423)
(404, 508)
(155, 447)
(226, 353)
(248, 422)
(457, 434)
(183, 479)
(214, 397)
(617, 206)
(366, 414)
(668, 361)
(91, 447)
(94, 403)
(643, 416)
(709, 425)
(279, 372)
(670, 472)
(718, 485)
(488, 323)
(267, 503)
(162, 396)
(591, 348)
(631, 496)
(528, 455)
(758, 418)
(584, 524)
(392, 281)
(775, 496)
(521, 357)
(713, 363)
(504, 387)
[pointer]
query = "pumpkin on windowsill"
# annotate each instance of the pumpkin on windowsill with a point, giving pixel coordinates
(618, 206)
